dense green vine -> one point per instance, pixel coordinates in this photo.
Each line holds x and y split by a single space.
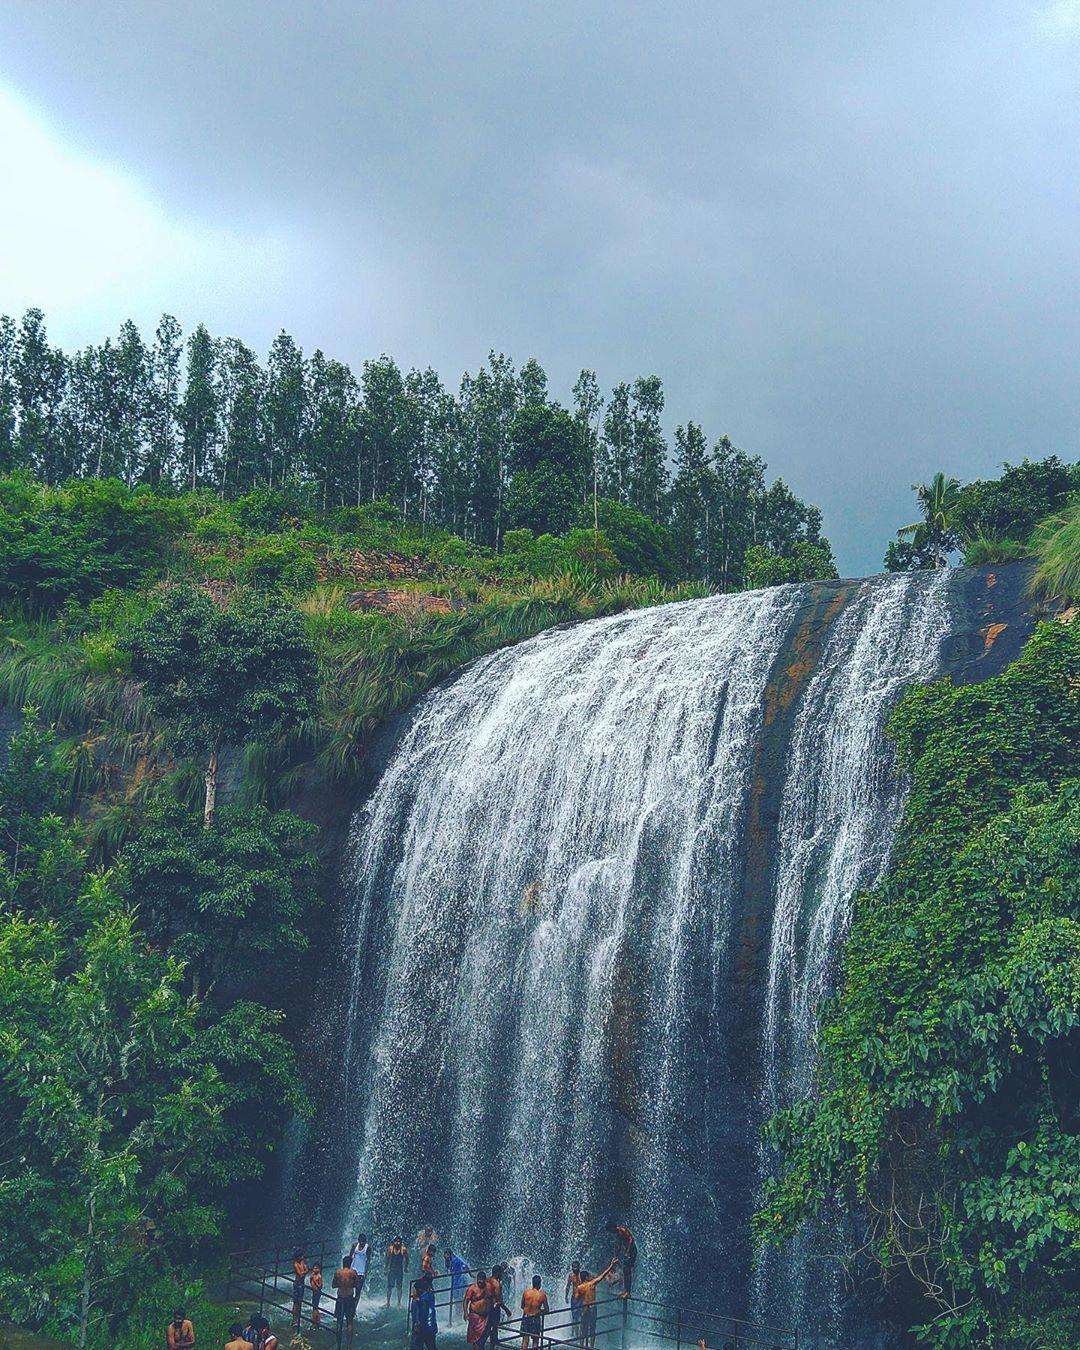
945 1114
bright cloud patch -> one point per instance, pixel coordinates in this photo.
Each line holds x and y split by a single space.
82 239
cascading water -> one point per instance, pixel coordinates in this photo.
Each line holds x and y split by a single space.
840 806
555 922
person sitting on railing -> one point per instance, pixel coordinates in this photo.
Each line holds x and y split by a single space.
237 1340
475 1306
457 1268
570 1293
344 1282
396 1256
300 1273
180 1333
316 1283
422 1315
625 1253
496 1307
586 1291
534 1304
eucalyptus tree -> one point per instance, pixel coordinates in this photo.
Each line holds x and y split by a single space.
200 408
163 413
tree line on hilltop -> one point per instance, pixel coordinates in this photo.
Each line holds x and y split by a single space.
497 455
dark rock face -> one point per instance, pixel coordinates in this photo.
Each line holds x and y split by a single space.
649 829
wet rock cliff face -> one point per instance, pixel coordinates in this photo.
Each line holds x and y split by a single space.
592 903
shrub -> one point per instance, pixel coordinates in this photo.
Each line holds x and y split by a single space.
279 564
1056 543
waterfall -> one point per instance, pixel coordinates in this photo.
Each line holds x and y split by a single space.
840 806
556 921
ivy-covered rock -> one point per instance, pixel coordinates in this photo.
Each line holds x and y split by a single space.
945 1114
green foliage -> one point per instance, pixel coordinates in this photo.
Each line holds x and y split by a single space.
74 542
1011 506
221 677
1056 544
806 562
991 519
131 1106
984 550
945 1108
224 899
641 546
281 564
127 1106
928 541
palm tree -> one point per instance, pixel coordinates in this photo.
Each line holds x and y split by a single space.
936 532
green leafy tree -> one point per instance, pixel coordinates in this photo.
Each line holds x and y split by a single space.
127 1109
1010 507
200 412
945 1110
217 678
641 547
648 473
8 395
232 895
928 541
163 412
286 410
691 500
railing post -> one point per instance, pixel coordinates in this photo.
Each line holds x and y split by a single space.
262 1289
678 1329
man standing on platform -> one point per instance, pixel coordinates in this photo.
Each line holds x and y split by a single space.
344 1282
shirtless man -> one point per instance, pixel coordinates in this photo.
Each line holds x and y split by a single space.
571 1295
497 1306
300 1273
534 1304
236 1338
180 1333
586 1292
345 1283
396 1256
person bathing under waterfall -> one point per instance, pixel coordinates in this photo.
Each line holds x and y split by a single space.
396 1256
360 1254
496 1306
586 1292
625 1254
344 1282
457 1268
534 1304
475 1306
571 1294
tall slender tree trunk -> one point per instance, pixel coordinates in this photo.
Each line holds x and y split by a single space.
84 1300
210 780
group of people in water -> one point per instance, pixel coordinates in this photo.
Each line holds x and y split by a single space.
480 1299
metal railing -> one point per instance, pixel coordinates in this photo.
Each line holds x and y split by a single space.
643 1319
266 1274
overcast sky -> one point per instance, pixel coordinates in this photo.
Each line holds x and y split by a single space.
845 234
